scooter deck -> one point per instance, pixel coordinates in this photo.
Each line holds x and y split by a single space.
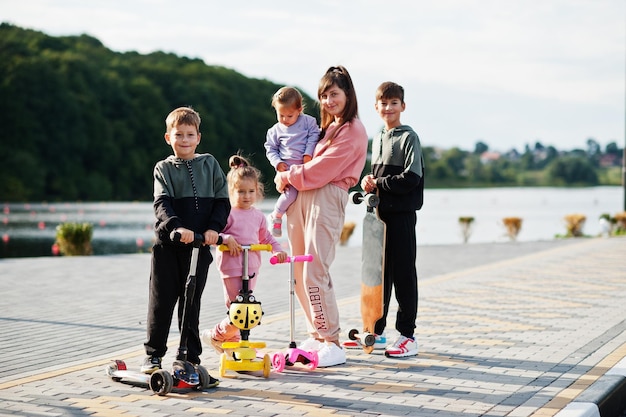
126 375
160 382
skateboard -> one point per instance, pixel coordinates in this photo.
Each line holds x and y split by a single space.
372 269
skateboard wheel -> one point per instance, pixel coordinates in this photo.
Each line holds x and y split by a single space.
372 200
279 361
369 340
352 334
356 197
161 382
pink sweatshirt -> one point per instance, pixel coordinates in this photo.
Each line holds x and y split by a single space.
339 161
247 227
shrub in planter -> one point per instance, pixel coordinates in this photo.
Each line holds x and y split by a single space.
466 227
574 224
620 221
513 225
74 239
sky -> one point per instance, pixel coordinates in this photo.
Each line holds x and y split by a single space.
503 72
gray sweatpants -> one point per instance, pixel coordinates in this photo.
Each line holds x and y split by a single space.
314 223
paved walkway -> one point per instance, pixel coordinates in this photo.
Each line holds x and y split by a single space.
506 329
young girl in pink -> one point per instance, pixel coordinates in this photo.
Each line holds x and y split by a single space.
246 225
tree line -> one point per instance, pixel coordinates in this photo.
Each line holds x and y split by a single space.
537 165
81 122
84 123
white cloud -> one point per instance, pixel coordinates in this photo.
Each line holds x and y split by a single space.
505 72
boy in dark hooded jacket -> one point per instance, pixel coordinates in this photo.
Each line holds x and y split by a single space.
398 176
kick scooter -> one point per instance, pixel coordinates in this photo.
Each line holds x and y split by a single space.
184 373
293 354
245 313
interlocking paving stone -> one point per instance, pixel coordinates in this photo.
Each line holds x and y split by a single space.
514 329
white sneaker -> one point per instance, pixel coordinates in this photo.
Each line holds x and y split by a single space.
311 344
330 355
403 346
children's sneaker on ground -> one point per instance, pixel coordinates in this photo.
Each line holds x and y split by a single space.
311 344
276 224
403 346
208 340
352 344
330 355
151 364
380 343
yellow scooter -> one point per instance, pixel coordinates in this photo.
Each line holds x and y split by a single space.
245 313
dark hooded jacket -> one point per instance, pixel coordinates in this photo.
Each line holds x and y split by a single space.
189 193
398 166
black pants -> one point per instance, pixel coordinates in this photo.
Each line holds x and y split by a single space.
400 271
170 268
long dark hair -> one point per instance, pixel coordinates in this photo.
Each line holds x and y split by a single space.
340 77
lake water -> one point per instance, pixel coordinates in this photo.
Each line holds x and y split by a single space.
29 229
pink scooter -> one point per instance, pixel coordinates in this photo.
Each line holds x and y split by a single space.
293 354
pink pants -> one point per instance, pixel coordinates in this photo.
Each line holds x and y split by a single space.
314 223
224 331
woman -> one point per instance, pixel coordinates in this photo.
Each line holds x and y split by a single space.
315 219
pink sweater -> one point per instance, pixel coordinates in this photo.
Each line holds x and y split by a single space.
339 161
247 227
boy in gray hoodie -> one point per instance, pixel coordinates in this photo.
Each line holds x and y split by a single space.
398 176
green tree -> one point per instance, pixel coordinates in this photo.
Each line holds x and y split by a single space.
90 121
480 148
572 170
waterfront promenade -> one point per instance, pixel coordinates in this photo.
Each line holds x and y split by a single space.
505 329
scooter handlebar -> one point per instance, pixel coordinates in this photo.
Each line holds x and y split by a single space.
297 258
254 246
198 238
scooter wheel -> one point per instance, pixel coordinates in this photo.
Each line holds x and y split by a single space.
267 366
223 360
279 361
314 360
161 382
206 380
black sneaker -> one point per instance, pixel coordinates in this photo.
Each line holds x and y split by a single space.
212 382
151 364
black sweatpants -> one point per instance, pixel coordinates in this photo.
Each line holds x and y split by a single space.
168 275
400 271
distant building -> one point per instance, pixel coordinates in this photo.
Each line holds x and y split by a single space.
489 156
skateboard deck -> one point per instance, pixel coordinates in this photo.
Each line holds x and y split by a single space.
372 269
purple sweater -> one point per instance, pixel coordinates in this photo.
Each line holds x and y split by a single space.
289 144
